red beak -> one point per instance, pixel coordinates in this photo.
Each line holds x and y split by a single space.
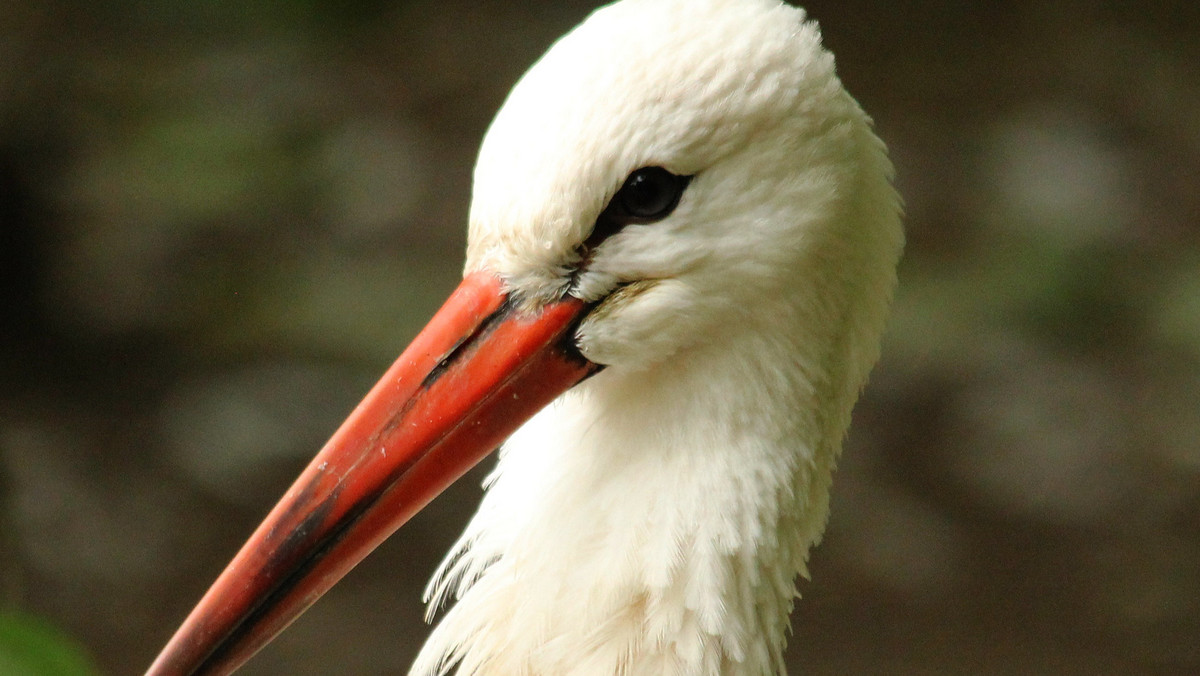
480 368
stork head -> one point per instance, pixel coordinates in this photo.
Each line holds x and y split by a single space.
730 115
672 173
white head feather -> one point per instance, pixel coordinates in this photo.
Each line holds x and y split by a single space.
653 520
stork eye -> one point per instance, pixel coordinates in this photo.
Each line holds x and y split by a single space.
649 194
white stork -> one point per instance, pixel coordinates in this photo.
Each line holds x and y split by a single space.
683 243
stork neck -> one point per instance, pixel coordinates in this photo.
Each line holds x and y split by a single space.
649 522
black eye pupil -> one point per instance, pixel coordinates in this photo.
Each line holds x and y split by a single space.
650 193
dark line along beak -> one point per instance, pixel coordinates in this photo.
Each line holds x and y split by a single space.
479 369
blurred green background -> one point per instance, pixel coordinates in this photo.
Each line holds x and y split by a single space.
219 222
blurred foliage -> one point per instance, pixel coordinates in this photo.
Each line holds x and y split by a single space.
30 646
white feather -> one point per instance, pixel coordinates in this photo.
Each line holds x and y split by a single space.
653 520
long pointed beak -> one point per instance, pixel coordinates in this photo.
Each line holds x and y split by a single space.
479 369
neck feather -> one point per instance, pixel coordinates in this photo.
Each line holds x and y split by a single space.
650 522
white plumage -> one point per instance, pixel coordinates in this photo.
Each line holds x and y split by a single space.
652 521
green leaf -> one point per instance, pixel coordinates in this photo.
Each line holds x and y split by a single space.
30 646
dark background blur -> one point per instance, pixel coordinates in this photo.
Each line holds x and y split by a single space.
219 223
